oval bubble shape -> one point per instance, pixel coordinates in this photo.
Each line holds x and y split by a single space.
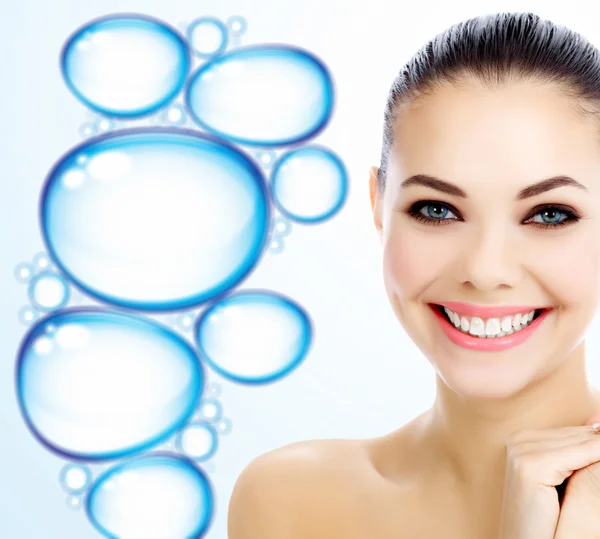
309 185
94 384
264 95
125 65
155 496
254 336
154 218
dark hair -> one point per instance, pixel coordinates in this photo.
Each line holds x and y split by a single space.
496 49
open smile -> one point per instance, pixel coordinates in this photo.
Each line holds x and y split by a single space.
489 334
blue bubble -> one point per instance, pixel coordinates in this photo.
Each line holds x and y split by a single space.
48 291
309 185
263 95
211 409
198 440
237 25
24 271
88 129
125 65
174 115
154 218
207 36
281 227
41 261
254 337
224 426
276 246
94 384
154 496
75 478
27 315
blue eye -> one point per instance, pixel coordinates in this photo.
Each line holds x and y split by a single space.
434 212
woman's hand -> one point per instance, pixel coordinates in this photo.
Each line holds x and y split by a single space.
580 510
537 461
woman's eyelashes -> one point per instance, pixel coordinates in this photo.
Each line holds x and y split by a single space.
435 212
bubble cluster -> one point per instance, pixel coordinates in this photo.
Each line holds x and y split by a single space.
168 219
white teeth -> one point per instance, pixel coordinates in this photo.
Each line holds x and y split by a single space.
516 322
476 327
492 327
464 324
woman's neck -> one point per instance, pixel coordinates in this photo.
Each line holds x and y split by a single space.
466 436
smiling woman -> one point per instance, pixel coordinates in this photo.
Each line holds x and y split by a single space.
486 205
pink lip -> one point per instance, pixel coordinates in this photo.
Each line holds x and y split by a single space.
489 312
496 344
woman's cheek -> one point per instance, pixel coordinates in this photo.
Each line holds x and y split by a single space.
569 269
411 261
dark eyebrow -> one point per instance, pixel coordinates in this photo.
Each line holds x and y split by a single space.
533 190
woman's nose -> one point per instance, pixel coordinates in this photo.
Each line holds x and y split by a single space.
491 260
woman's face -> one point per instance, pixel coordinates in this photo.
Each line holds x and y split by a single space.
485 236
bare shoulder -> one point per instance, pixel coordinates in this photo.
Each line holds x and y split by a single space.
290 492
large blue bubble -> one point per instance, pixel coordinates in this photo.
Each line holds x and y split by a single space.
254 336
264 95
155 219
125 65
95 384
155 496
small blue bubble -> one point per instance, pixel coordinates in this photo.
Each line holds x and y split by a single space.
75 478
152 497
254 337
125 65
198 440
207 36
224 426
185 321
309 185
155 219
41 261
88 129
266 158
27 315
103 125
276 246
237 25
24 271
74 502
174 115
95 384
211 409
281 227
48 291
262 95
214 389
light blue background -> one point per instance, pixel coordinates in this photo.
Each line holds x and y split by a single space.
363 376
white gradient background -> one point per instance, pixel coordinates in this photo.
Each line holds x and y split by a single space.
363 376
